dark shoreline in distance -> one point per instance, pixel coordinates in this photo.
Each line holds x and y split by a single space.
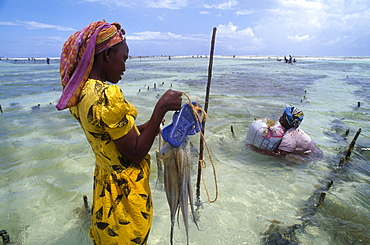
169 57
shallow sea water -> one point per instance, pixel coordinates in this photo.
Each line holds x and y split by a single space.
46 164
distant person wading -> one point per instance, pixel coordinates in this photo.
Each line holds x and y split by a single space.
294 139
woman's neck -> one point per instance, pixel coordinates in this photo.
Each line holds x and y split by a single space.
97 71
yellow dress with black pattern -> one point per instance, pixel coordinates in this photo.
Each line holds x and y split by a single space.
122 203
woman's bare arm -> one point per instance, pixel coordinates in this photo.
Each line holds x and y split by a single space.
135 147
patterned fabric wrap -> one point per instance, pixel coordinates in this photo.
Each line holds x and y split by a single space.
122 209
293 116
77 57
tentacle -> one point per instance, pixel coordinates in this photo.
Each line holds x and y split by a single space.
177 181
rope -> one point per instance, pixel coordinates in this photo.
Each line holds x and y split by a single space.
199 119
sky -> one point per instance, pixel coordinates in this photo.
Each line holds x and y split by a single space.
38 28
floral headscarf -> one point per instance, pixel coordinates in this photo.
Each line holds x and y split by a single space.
77 57
293 116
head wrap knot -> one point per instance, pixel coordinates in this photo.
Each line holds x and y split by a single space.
77 57
293 116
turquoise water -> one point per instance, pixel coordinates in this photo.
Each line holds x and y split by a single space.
46 164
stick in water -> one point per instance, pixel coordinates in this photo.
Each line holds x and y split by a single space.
352 145
201 147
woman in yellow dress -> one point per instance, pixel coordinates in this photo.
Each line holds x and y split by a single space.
122 203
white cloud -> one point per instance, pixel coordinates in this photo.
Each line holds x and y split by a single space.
231 39
36 25
304 4
244 12
231 31
8 23
204 12
154 35
164 4
318 18
297 38
231 4
228 5
167 4
336 41
47 40
111 3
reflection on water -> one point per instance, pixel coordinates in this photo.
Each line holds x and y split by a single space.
47 165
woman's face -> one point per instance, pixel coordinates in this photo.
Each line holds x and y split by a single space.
284 122
118 55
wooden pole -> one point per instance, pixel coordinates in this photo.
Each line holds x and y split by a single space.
311 209
352 145
201 146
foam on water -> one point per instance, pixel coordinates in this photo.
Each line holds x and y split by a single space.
46 164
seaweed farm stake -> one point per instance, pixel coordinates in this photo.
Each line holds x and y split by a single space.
201 147
277 234
352 145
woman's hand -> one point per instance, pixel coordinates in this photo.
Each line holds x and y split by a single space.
170 101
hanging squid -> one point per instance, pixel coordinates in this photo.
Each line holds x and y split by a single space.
176 157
